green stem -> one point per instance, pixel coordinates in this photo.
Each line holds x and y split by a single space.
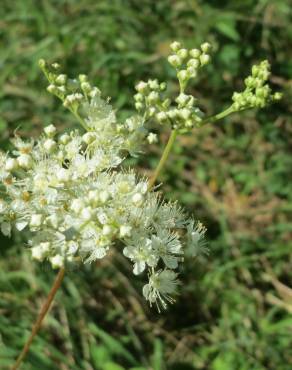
80 120
217 116
163 159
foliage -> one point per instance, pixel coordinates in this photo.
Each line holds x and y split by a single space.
234 313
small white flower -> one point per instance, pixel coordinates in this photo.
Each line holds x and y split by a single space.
36 220
86 213
57 261
77 205
37 253
141 255
125 230
104 196
137 199
152 138
63 175
196 244
141 86
107 230
161 286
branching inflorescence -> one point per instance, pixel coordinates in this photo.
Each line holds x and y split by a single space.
77 202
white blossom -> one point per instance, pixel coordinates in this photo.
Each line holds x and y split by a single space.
77 203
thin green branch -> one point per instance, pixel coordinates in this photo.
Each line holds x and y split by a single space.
217 116
163 158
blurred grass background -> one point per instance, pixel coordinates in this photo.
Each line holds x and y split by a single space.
235 308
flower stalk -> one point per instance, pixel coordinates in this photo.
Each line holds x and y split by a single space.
163 158
37 325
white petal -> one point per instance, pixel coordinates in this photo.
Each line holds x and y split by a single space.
139 267
6 228
20 225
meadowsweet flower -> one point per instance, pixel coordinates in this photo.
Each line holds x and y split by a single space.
74 199
162 285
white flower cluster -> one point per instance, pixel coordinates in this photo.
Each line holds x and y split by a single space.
69 193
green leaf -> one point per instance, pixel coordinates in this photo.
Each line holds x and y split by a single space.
227 27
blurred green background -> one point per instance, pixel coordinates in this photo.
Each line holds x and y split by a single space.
235 308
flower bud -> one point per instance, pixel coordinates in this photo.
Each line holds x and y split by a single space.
64 139
11 164
42 63
192 72
151 111
104 196
185 113
24 161
277 96
57 261
36 220
182 53
194 63
86 87
153 97
175 46
205 59
152 138
49 145
175 61
162 86
56 65
139 106
139 97
83 78
153 84
195 53
52 88
141 87
182 99
161 117
183 75
206 47
93 196
107 230
61 79
37 253
63 175
86 213
137 199
88 137
50 130
77 205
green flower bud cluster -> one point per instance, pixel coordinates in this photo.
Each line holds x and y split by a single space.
73 92
183 114
149 98
187 62
257 93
